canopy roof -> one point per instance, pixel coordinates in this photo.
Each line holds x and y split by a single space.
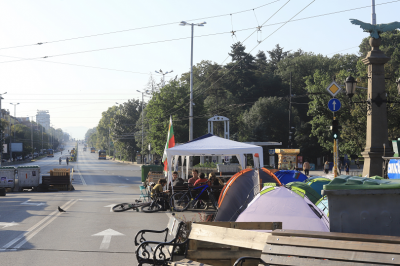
210 145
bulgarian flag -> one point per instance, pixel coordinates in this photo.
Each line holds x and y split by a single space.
170 143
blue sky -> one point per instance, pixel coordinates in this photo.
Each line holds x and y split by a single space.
76 96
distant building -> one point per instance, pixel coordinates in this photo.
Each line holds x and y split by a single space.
23 119
43 118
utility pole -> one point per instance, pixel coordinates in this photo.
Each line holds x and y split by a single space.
33 150
15 117
184 23
290 108
1 116
373 13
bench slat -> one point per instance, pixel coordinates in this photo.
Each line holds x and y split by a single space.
295 261
221 254
339 236
336 244
369 257
229 236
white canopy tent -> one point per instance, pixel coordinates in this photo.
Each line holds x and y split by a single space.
210 145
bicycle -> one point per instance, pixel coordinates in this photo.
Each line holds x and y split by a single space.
156 204
127 206
180 201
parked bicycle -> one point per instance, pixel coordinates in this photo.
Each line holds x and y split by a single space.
193 197
127 206
157 203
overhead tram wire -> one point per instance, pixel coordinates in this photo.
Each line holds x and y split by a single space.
132 45
244 57
326 14
140 28
198 86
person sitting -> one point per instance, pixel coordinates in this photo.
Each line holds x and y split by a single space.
195 174
214 180
158 189
201 181
176 180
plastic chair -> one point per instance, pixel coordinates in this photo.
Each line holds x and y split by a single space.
144 194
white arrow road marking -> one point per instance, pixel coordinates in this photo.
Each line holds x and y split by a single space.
107 234
4 225
111 206
33 203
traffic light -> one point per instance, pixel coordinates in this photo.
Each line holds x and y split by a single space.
335 129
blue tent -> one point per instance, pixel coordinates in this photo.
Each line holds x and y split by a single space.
318 183
287 176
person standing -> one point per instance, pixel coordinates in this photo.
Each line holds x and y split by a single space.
306 168
60 160
347 169
67 160
340 166
326 167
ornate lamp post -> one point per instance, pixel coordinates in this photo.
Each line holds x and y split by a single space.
377 125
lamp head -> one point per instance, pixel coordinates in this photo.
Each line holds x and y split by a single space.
351 85
183 23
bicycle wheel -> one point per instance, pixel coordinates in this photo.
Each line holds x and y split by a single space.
122 207
153 207
180 201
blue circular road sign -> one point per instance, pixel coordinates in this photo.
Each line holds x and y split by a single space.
334 105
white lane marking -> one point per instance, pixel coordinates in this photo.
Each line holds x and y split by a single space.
111 206
4 225
18 238
32 203
107 234
81 177
43 226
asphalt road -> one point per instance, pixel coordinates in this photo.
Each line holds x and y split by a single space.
33 232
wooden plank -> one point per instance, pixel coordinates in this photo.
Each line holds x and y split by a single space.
228 236
246 225
392 259
338 236
187 262
221 254
295 261
336 244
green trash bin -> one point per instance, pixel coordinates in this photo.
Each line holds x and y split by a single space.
363 205
150 168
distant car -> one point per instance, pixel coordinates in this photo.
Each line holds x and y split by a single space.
19 158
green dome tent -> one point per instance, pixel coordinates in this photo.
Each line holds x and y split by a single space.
311 194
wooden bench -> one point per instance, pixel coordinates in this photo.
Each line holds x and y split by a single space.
145 247
292 247
216 243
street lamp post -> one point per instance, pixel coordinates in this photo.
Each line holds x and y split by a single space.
142 117
184 23
377 125
162 73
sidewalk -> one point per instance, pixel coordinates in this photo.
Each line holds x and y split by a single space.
354 171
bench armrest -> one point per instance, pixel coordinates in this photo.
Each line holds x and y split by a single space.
240 261
159 258
139 238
